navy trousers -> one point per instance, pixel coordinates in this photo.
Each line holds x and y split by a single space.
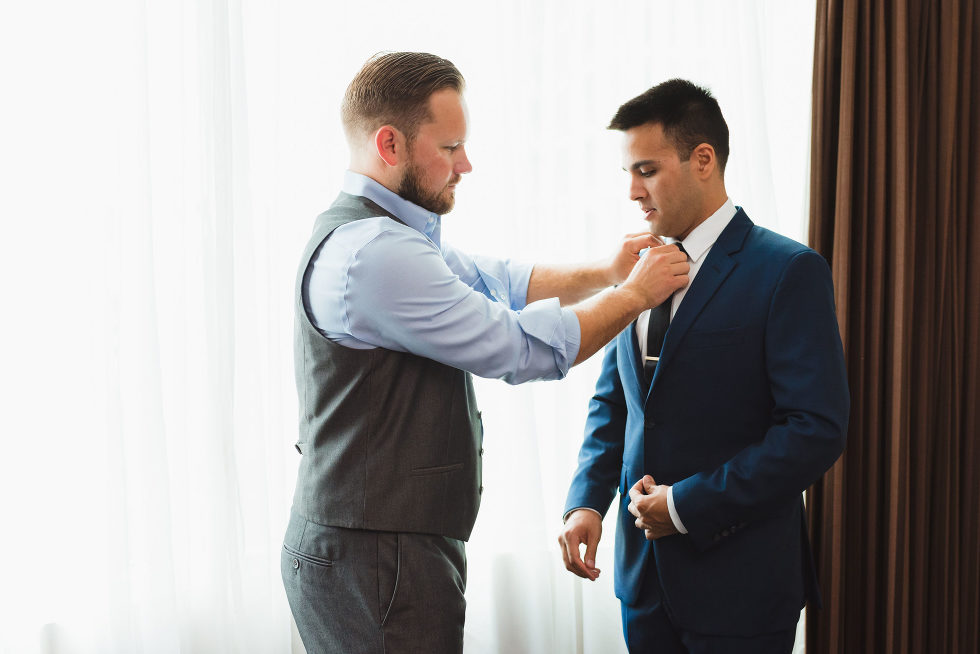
648 629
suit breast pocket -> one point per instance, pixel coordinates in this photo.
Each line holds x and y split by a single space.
714 338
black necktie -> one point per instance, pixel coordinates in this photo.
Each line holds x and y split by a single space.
656 331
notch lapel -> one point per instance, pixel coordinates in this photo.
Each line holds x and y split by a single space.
632 347
715 269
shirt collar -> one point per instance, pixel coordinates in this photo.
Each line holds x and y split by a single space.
702 237
419 219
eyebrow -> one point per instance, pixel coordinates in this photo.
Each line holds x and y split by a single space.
640 164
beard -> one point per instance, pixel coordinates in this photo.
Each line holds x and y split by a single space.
412 189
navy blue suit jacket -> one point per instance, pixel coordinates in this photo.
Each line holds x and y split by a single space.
747 408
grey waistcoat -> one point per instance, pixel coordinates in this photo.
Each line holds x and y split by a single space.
390 441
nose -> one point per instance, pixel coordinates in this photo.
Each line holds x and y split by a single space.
637 192
462 164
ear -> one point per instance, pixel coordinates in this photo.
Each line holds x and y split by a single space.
704 161
390 144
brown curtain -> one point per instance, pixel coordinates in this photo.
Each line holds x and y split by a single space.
895 179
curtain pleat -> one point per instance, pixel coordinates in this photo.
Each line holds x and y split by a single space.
894 207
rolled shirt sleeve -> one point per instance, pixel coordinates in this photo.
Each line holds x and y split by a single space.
503 280
394 288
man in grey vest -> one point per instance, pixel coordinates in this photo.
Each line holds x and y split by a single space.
390 324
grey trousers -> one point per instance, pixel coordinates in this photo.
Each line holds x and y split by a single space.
353 591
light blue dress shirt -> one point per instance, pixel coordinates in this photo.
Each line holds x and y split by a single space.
379 283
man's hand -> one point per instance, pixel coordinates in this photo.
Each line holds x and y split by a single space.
648 502
582 526
623 260
657 274
654 278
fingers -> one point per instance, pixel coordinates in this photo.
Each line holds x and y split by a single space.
634 243
678 281
679 268
565 544
676 261
668 256
643 486
660 273
641 237
636 491
672 253
573 560
640 492
590 549
570 542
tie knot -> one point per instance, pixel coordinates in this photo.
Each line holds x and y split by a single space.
680 246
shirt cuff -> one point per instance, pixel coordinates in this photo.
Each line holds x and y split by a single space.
558 328
518 277
573 336
676 519
564 518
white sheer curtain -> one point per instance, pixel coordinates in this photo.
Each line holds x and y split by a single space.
161 163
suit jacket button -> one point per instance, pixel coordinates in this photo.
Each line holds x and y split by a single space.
481 451
295 564
481 490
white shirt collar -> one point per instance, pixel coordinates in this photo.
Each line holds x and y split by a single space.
702 237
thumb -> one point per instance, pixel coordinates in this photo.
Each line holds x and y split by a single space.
649 483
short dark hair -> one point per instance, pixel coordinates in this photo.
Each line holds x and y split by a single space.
688 113
393 88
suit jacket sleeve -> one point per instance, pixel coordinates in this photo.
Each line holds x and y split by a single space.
600 459
808 384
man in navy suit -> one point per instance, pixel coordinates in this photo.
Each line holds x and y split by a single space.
714 411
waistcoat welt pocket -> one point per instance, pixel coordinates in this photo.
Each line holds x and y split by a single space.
436 470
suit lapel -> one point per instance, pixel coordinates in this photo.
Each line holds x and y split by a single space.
715 269
632 346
